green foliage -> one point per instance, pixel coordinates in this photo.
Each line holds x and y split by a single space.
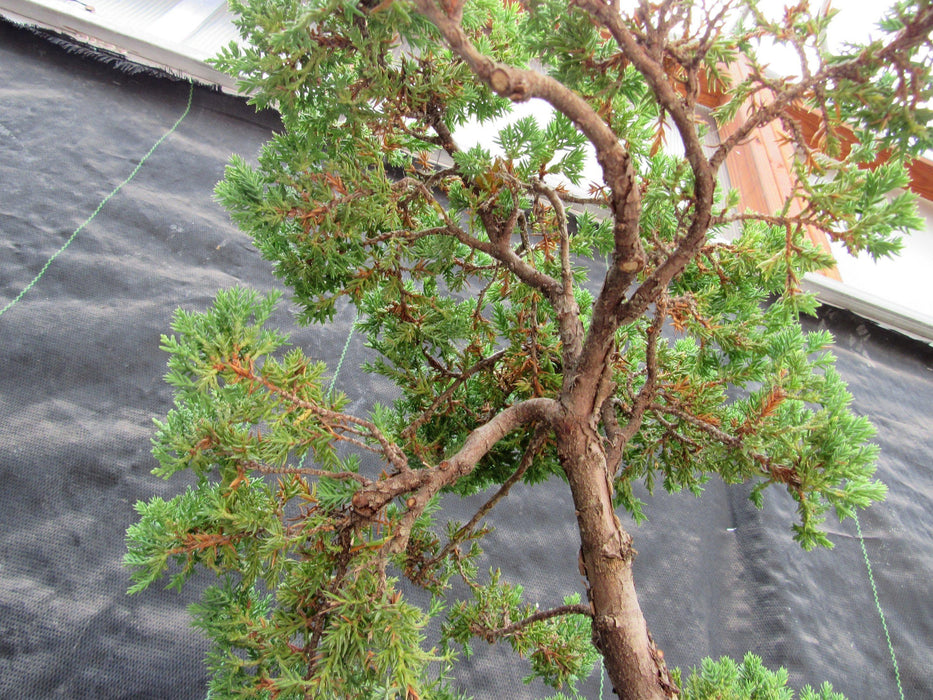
228 423
516 305
533 150
558 648
749 680
908 125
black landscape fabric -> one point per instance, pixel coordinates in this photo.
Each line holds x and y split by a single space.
81 381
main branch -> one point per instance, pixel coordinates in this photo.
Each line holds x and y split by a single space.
424 484
618 171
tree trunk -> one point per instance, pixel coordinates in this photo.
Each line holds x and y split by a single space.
635 666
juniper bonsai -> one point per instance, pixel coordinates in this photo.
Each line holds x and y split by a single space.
632 326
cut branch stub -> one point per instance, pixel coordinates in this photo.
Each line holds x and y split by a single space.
510 86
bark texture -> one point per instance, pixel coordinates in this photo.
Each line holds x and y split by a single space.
620 632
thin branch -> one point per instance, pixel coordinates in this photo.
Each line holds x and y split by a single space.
499 250
777 472
576 199
305 471
504 254
437 176
647 392
523 231
566 271
332 420
406 235
433 140
671 428
799 220
705 426
492 635
537 441
442 398
458 562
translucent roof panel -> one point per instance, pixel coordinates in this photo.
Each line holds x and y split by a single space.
176 36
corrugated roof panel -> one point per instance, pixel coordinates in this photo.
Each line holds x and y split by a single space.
216 31
177 36
183 20
141 12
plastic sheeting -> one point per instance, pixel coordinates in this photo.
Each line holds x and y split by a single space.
81 380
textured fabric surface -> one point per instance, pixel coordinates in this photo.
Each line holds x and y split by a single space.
82 381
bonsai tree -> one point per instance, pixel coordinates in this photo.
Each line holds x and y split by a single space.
542 319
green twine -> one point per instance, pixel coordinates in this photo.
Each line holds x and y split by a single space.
101 205
333 381
346 345
874 590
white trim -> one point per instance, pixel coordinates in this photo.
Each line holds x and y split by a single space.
885 313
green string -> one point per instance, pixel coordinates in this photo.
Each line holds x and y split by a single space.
874 590
333 381
346 345
101 205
